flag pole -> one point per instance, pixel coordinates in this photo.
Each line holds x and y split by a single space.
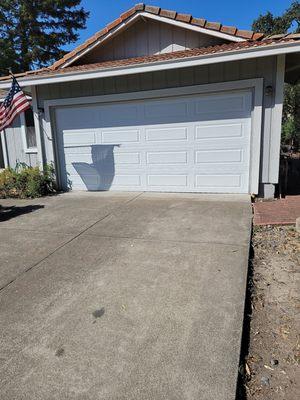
10 72
37 127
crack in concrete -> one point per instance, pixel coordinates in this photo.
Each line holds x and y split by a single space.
67 242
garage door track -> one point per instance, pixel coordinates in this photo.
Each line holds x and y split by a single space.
122 296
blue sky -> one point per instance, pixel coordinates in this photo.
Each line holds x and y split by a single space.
240 13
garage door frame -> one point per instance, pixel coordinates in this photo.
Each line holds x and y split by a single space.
255 85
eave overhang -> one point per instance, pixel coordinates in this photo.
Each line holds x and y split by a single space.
63 75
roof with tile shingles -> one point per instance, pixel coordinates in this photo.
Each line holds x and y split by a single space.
170 14
177 55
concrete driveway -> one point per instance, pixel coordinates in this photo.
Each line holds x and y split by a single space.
122 296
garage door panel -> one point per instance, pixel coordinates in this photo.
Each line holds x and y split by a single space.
167 180
79 138
78 157
190 144
120 159
74 150
127 180
216 104
120 136
166 157
221 180
81 117
158 111
171 133
113 115
219 150
90 179
220 168
127 158
219 156
105 182
221 130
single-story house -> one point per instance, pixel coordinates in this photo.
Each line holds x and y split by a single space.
159 101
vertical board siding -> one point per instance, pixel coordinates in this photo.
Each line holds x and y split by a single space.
201 75
186 77
231 71
14 144
15 148
2 164
257 68
173 78
269 66
216 73
147 38
33 160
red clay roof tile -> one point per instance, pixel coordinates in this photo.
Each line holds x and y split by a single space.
216 26
168 14
278 36
184 18
141 7
230 30
152 9
245 34
79 48
257 36
217 49
113 24
72 53
128 14
90 40
101 33
198 21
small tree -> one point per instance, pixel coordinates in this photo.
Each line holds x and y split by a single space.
32 32
291 116
271 25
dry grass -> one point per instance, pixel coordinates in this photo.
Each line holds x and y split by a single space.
273 363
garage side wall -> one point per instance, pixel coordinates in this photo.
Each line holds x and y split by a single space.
15 149
225 72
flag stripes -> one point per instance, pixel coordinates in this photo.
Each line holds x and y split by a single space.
14 103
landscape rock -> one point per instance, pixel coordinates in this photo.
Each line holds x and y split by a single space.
265 381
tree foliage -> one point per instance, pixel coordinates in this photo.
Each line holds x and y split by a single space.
291 115
269 24
32 32
272 25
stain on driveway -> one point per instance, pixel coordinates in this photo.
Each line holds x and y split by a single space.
163 276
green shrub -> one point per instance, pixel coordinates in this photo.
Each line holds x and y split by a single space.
24 181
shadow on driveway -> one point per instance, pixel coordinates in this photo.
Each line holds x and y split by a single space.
9 212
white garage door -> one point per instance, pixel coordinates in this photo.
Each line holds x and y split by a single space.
197 143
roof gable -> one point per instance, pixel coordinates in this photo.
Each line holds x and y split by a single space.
141 11
147 38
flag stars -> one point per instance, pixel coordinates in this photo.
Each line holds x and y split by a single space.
14 103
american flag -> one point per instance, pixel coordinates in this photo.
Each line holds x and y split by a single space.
14 103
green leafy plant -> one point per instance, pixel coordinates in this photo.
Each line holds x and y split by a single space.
291 116
288 22
24 181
